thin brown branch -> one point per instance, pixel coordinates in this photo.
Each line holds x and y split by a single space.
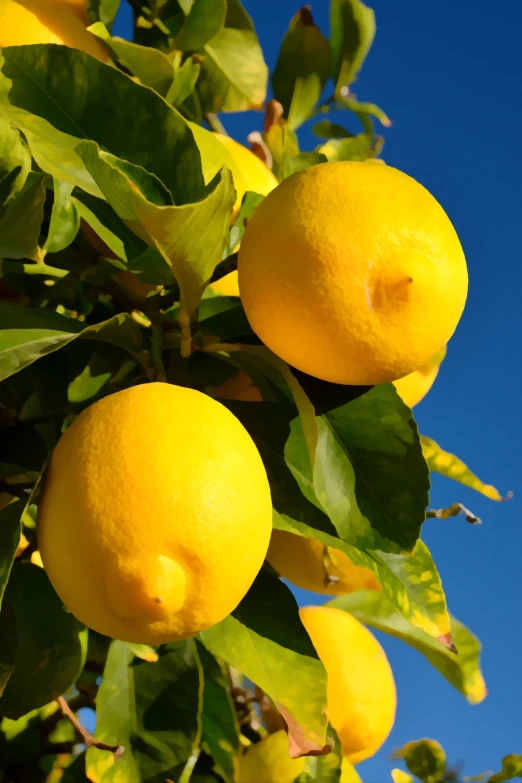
88 740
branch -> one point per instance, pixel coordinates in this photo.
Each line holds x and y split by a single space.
88 740
453 511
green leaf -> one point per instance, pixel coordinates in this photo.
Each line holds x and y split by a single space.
76 94
191 238
283 146
233 74
355 148
328 768
203 21
149 65
302 69
326 129
266 641
420 599
219 726
462 670
184 81
27 333
101 217
368 473
303 161
102 10
511 768
353 30
65 220
15 162
10 531
8 645
52 643
363 111
449 465
152 710
425 759
21 222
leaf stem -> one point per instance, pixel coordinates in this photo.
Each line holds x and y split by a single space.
215 123
189 766
15 267
157 359
88 740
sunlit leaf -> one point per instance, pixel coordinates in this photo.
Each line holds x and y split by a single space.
352 32
266 641
449 465
302 68
422 602
76 94
52 644
184 81
462 670
15 162
355 148
511 768
233 73
65 220
203 21
425 759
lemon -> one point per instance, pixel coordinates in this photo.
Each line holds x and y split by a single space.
48 21
361 688
155 516
250 173
309 564
415 386
352 273
239 387
268 761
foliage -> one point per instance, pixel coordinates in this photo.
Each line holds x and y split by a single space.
122 151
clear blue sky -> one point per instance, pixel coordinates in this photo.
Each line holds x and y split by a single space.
448 75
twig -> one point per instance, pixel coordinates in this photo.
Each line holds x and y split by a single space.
88 740
454 511
218 347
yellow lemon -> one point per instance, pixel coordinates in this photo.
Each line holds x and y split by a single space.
155 516
239 387
361 688
415 386
268 761
352 273
308 563
250 173
48 21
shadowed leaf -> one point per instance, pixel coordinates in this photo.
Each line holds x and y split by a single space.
8 645
65 220
511 768
10 531
21 222
52 644
425 759
353 30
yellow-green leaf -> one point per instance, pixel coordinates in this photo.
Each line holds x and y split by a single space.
449 465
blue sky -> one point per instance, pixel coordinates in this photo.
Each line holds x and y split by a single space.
448 75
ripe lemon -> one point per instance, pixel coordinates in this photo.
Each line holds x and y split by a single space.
239 387
156 514
250 173
361 688
268 761
415 386
48 21
352 273
309 564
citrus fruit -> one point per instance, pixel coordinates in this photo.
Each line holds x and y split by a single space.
268 761
48 21
415 386
250 173
361 688
352 273
239 387
308 563
155 516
